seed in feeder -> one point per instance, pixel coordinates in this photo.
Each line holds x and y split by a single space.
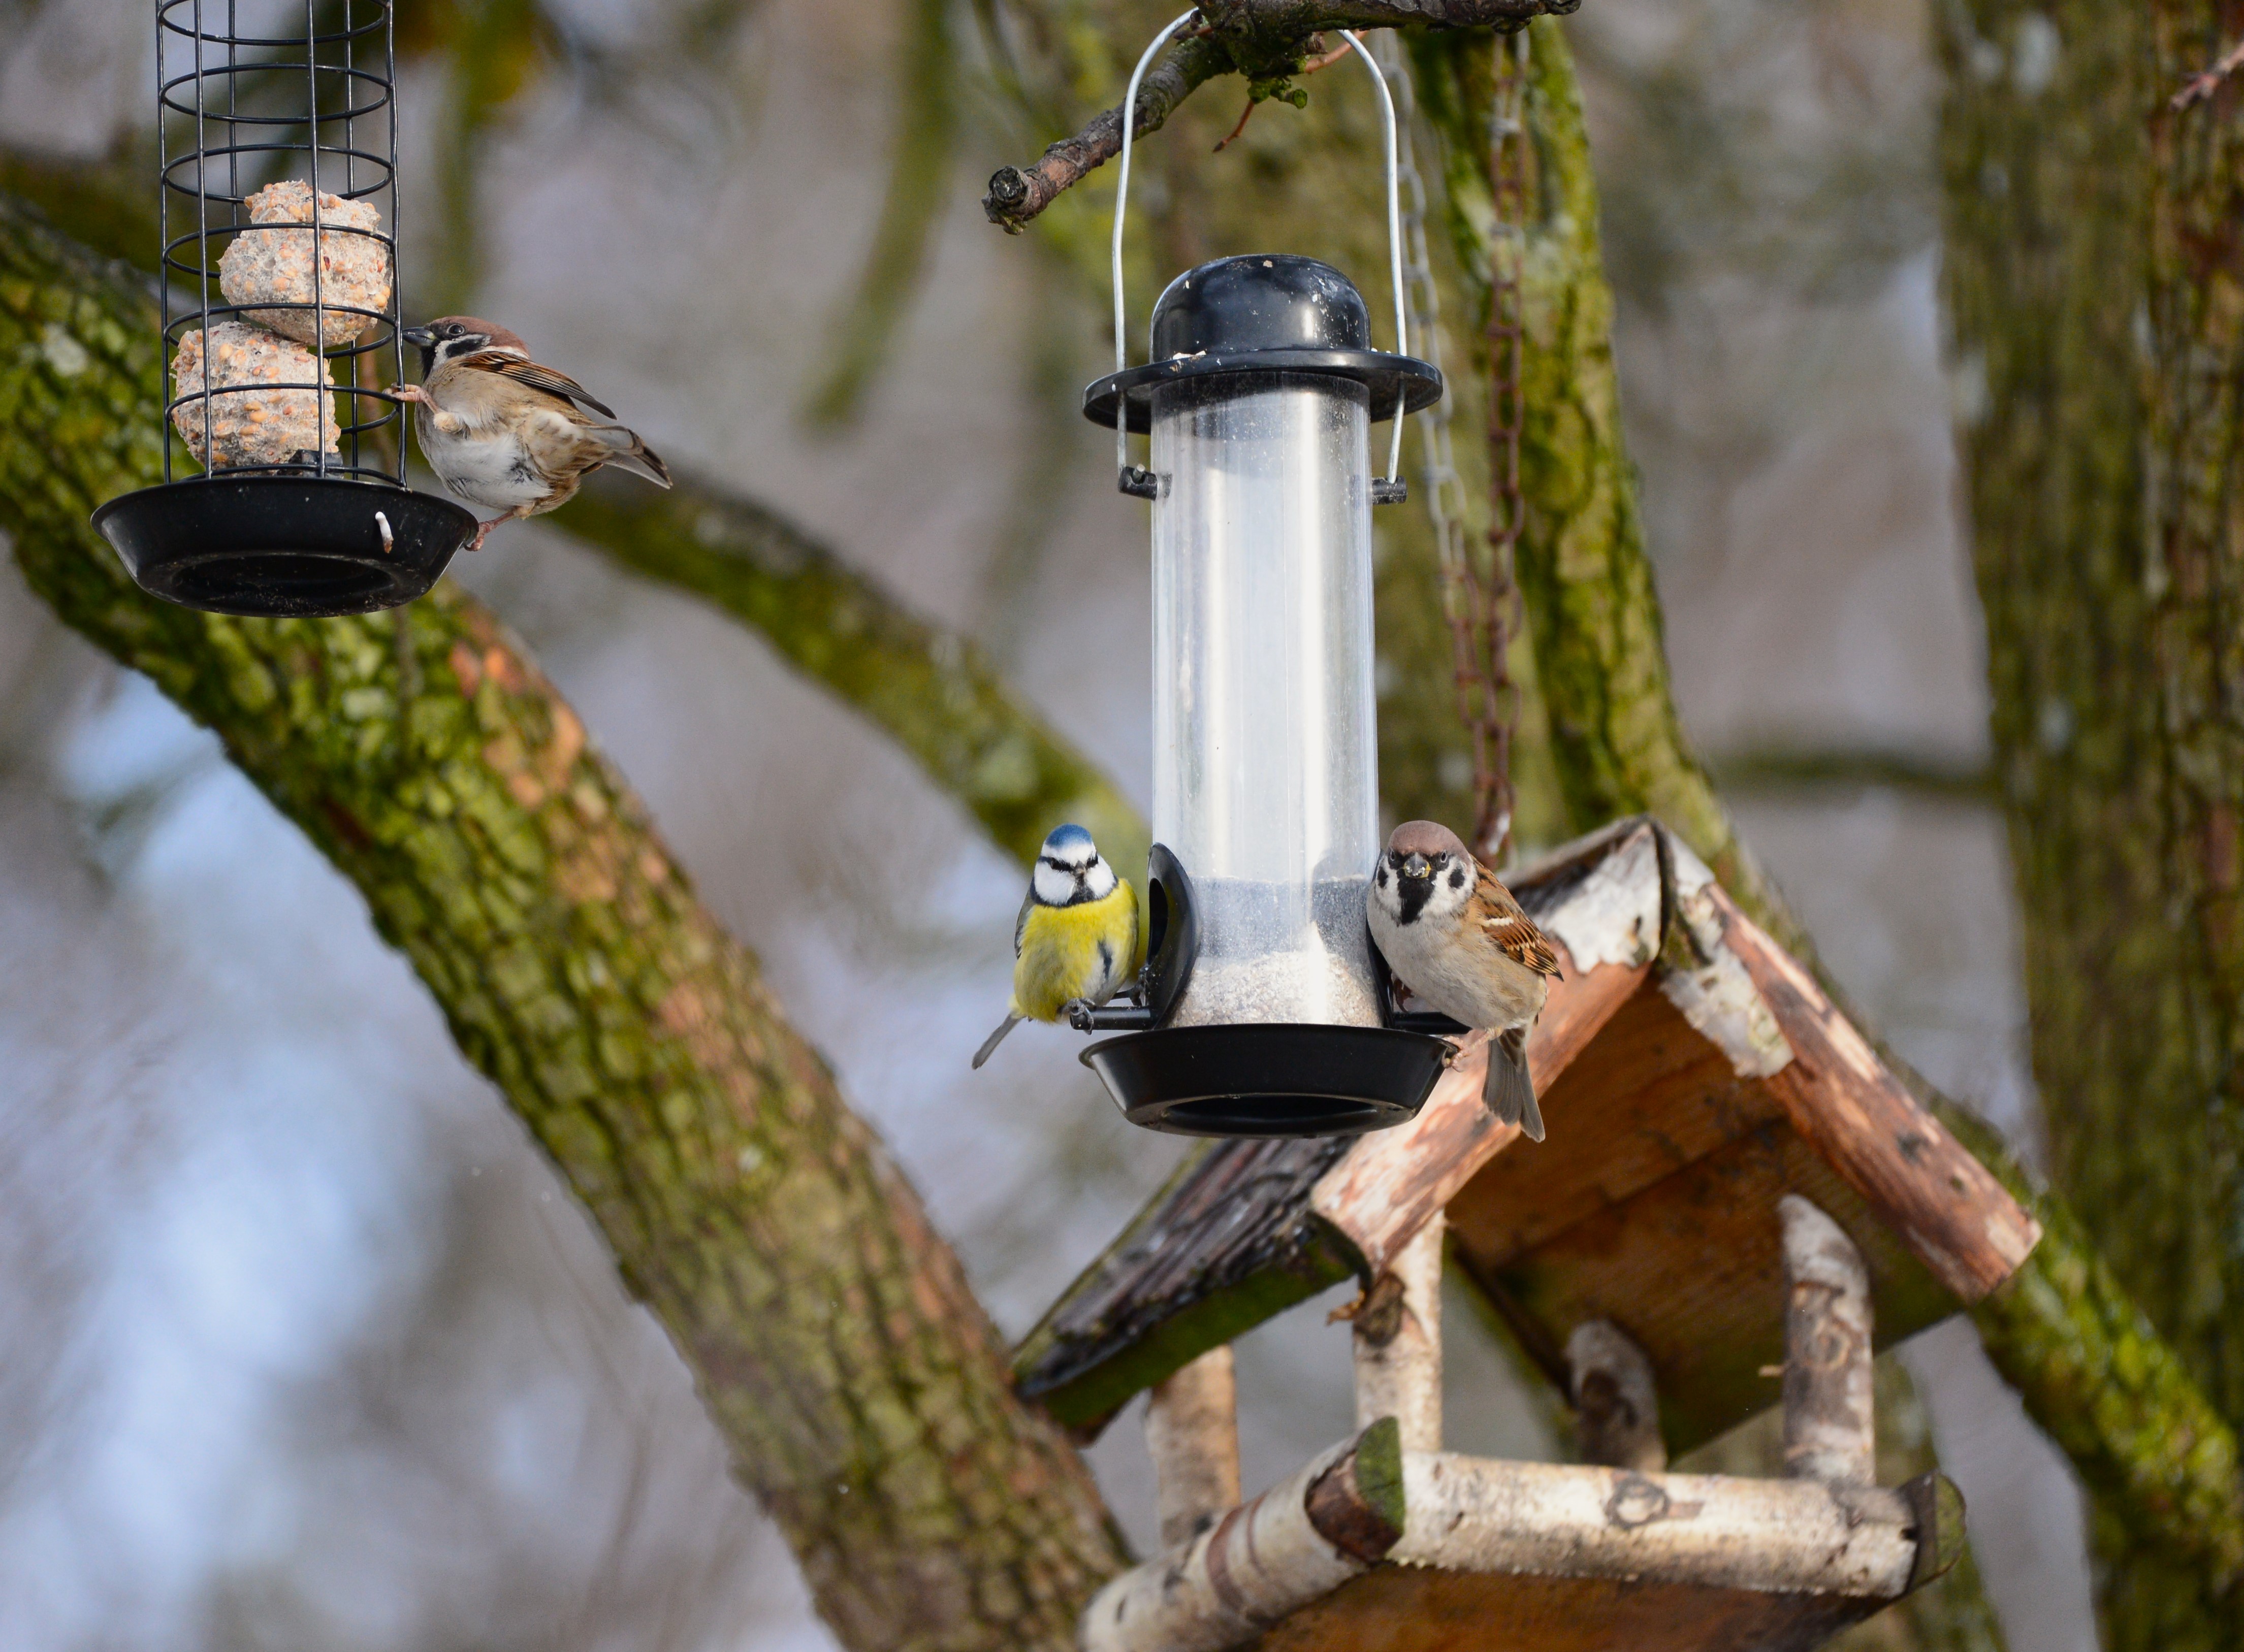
1275 952
251 423
273 266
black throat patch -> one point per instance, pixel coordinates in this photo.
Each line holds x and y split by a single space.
1412 894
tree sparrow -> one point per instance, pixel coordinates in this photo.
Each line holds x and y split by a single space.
1460 941
502 431
1076 939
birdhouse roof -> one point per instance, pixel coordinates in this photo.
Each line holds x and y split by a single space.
1691 1072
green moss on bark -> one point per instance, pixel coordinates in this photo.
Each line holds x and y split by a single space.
2097 298
2093 1372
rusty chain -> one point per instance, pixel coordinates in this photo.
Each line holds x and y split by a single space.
1481 599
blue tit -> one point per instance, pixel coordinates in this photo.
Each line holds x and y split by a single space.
1077 938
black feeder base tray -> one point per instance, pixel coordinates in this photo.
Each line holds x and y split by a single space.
1269 1080
284 547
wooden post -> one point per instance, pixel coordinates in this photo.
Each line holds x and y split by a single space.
1398 1343
1192 1429
1616 1406
1830 1432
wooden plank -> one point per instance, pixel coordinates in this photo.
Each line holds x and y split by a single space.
1720 1531
1228 1242
1777 1560
1387 1188
1691 1268
1648 1098
1883 1142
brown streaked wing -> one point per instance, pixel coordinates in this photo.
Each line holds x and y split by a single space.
522 371
1512 930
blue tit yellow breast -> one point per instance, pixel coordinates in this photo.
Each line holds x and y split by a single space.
1089 950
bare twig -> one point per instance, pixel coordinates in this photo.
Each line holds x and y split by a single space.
1244 115
1015 196
1251 36
2200 88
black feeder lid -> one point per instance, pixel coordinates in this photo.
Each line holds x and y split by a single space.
1263 312
1269 1080
283 545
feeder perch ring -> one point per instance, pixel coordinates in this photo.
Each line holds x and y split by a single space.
1269 1079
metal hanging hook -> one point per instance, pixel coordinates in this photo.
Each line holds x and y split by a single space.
1130 478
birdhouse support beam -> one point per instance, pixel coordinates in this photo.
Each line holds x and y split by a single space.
1347 1551
1397 1329
1191 1429
1830 1431
1616 1405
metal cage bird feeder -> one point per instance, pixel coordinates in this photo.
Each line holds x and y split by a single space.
1267 1011
277 187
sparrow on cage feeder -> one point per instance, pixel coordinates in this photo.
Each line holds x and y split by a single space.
503 432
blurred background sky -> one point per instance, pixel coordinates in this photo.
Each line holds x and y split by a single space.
303 1347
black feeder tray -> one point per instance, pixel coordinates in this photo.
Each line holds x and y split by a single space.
1259 1080
284 546
1267 1080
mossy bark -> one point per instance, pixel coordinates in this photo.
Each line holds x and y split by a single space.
2064 1332
831 1331
1600 652
2095 279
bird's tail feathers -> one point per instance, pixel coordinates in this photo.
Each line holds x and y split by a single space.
1509 1092
990 1043
629 453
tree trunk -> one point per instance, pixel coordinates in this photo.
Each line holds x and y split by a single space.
2093 1371
2095 283
831 1332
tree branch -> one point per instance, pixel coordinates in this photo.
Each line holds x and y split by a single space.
919 171
831 1331
932 690
1262 39
1016 195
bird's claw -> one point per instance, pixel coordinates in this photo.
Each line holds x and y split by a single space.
1078 1011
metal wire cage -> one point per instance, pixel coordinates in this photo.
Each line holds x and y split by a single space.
284 445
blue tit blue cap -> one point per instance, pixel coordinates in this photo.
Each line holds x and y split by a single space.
1069 843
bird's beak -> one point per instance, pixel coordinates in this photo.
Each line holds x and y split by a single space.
1416 867
419 337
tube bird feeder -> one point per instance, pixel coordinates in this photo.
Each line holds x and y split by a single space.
284 454
1266 1011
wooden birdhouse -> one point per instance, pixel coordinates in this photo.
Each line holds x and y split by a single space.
1735 1189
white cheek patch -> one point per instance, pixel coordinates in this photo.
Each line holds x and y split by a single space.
1053 887
1099 881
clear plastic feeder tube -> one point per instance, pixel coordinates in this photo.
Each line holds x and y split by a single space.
1266 777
